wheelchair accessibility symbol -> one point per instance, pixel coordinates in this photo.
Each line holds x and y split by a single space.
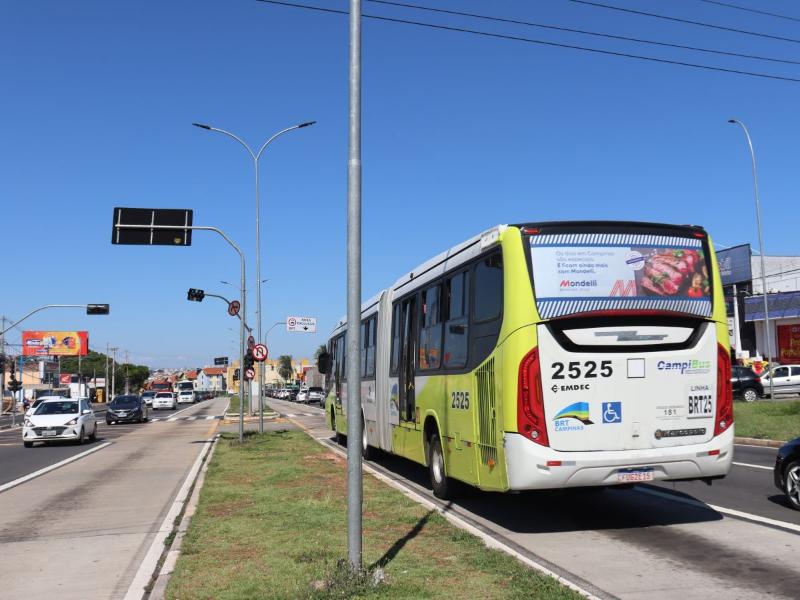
612 412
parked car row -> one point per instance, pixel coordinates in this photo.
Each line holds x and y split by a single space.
303 394
749 387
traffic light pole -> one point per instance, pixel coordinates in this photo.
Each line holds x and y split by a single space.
242 290
36 310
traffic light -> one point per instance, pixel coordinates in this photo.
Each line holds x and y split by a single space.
14 385
236 374
248 360
195 295
97 309
2 363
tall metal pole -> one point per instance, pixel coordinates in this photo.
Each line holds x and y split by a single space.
354 475
113 371
256 156
107 380
737 334
767 335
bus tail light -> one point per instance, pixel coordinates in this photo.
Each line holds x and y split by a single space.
530 400
724 417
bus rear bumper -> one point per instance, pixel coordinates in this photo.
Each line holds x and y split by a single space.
528 469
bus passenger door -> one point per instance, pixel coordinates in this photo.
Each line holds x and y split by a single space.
408 353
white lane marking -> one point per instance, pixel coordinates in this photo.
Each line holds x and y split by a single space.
172 419
137 590
738 464
721 509
156 419
209 417
190 418
759 447
53 467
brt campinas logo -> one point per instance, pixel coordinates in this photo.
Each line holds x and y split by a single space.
579 411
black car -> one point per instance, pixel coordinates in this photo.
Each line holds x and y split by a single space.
127 409
787 471
746 384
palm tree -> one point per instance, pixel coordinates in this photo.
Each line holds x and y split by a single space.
285 369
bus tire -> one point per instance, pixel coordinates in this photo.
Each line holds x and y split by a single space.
367 451
443 487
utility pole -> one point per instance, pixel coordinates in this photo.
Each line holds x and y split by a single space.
113 370
3 369
105 383
127 380
354 474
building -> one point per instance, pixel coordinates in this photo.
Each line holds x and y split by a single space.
742 286
212 379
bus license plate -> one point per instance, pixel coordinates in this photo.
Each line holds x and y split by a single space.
49 433
634 475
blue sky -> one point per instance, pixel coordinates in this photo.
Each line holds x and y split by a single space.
460 132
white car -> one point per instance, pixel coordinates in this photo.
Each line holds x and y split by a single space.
148 397
185 397
316 394
302 395
164 400
785 379
59 418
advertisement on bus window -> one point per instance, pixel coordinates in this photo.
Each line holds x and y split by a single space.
595 272
55 343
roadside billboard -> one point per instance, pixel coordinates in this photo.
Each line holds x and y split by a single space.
55 343
734 264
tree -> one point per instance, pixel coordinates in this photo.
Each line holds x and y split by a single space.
285 369
321 350
95 362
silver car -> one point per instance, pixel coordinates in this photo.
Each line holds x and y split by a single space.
316 394
785 379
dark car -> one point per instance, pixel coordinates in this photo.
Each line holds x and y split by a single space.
127 409
746 384
787 471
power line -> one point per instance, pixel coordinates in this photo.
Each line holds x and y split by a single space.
686 21
584 32
751 10
538 42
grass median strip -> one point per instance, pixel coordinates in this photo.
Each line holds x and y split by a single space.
767 420
271 523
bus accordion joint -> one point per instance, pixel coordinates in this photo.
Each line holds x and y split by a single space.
724 416
530 400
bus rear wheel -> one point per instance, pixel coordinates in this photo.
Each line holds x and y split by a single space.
443 487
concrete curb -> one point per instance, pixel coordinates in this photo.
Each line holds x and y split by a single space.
159 589
758 442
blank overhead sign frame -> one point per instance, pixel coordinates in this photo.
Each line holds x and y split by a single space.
152 226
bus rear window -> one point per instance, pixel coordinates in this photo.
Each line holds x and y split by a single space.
596 272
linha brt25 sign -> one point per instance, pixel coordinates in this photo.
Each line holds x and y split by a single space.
55 343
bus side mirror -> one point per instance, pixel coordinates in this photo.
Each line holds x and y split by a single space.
324 363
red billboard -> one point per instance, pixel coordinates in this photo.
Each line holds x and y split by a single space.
55 343
788 344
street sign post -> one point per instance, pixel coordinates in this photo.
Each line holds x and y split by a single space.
301 324
221 361
233 308
249 374
260 353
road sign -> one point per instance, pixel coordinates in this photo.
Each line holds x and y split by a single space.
176 220
221 361
251 342
301 324
233 308
260 352
250 374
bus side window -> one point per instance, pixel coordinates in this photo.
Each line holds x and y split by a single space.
456 326
430 331
395 339
487 306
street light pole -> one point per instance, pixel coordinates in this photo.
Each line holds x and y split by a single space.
256 156
113 370
354 474
767 335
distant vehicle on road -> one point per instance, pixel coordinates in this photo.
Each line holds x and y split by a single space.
127 409
316 394
186 397
164 400
59 418
302 395
34 405
785 379
148 397
746 384
787 471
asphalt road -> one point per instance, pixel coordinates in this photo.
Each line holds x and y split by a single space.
83 530
654 541
17 461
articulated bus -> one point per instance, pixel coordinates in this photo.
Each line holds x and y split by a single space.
549 355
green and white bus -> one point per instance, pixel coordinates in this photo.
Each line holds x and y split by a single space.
549 355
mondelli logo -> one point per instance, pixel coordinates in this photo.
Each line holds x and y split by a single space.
566 283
